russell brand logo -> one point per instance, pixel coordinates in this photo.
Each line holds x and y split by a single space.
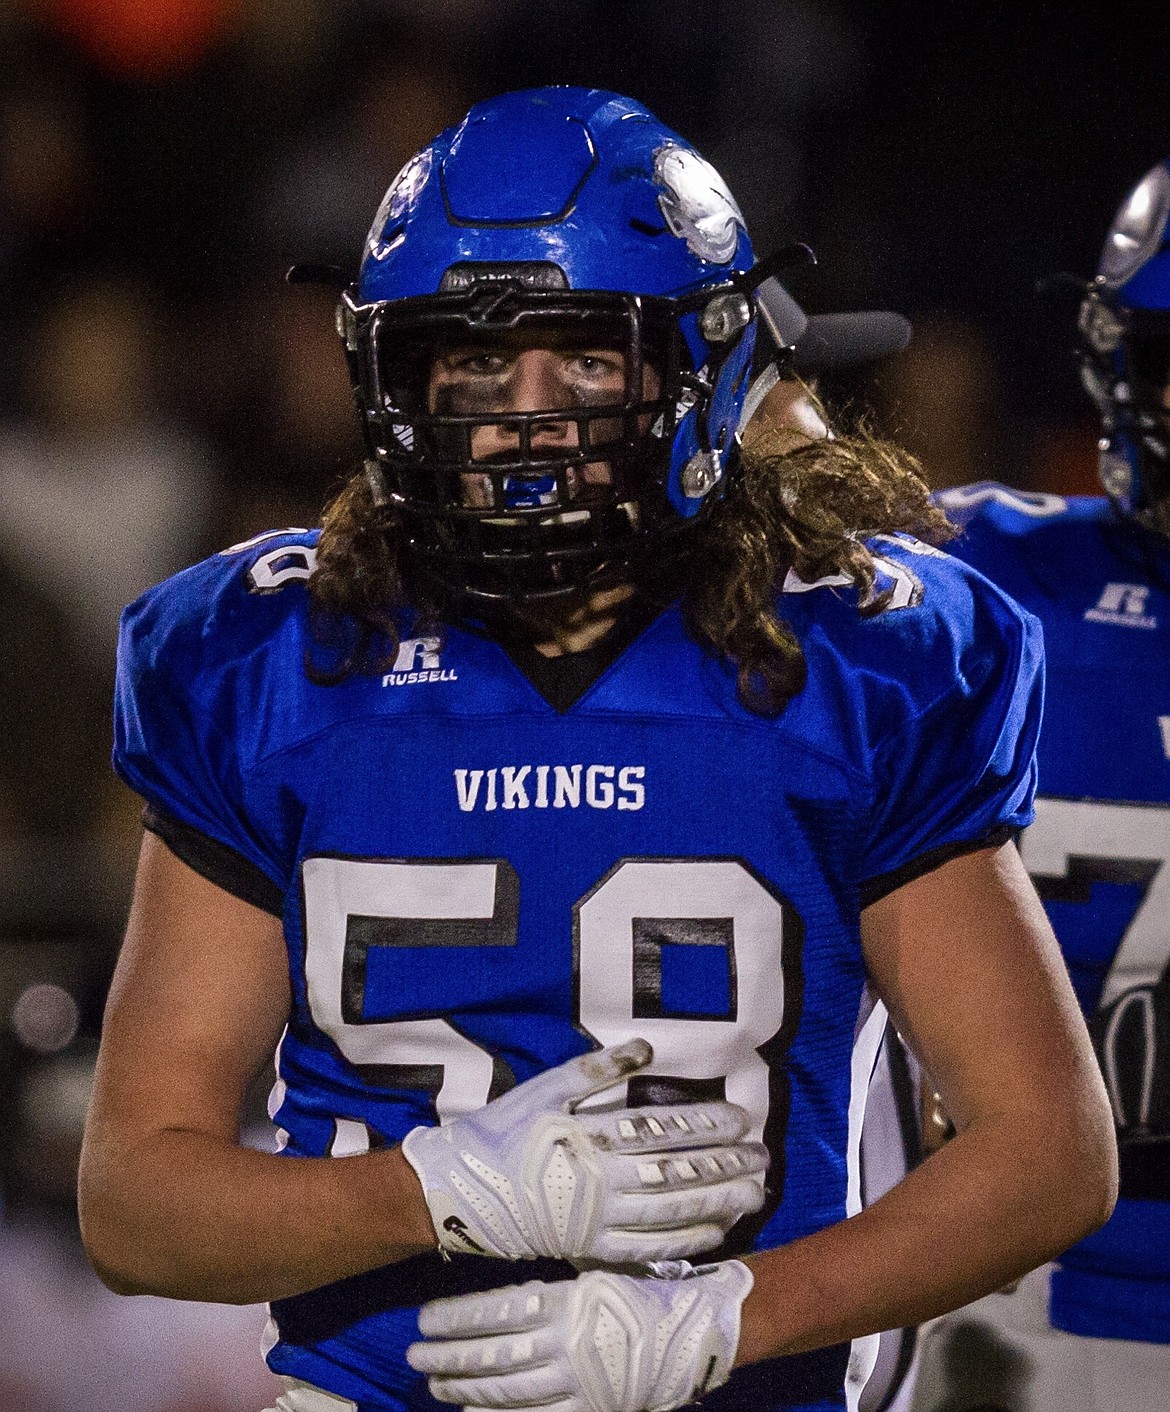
1123 604
551 787
417 661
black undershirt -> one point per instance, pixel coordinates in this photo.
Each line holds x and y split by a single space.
562 681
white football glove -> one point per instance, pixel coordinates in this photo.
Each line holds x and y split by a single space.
600 1343
526 1176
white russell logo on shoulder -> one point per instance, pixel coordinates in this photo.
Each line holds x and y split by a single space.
1123 604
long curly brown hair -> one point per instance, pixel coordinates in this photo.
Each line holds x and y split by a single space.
809 508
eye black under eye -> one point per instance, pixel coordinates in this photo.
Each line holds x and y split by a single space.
596 365
481 365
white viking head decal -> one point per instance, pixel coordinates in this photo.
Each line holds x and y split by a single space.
696 203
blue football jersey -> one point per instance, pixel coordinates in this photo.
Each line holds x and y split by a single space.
476 886
1100 844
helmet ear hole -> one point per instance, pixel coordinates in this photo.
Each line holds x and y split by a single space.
1116 473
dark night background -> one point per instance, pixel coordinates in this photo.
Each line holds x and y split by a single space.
164 394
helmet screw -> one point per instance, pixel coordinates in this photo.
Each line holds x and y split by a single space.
724 316
701 474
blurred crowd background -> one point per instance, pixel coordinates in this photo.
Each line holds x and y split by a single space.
163 394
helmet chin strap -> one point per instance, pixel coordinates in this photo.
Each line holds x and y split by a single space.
652 579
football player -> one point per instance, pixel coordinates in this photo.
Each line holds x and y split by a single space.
560 813
1093 1331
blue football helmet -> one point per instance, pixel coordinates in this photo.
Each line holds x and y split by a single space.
559 217
1125 331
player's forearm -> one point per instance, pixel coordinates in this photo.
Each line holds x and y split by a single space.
190 1216
973 1217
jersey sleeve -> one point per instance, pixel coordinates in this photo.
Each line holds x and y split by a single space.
216 861
959 773
182 735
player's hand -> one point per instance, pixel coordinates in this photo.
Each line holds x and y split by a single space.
526 1175
600 1343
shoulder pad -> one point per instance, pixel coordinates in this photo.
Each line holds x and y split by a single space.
275 558
222 607
1014 511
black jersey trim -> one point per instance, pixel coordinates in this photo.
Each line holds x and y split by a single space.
874 889
1145 1167
564 680
215 861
